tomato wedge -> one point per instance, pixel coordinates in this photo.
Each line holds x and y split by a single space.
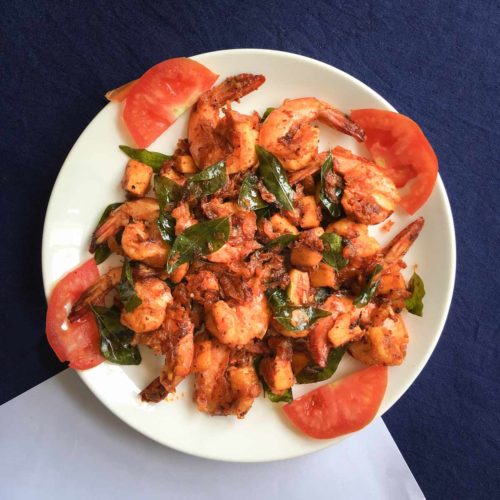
341 407
161 95
401 149
76 342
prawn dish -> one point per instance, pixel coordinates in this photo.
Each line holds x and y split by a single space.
245 257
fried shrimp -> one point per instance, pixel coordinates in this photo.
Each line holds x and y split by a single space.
144 209
150 314
369 196
212 138
288 132
142 241
236 325
95 293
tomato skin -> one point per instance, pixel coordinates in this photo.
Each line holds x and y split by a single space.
120 93
401 149
161 95
79 342
342 407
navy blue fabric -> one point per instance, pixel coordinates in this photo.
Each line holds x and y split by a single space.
435 61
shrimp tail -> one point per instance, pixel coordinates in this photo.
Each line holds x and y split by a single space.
234 88
402 242
334 118
95 293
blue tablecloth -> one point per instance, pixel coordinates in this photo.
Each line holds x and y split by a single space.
435 61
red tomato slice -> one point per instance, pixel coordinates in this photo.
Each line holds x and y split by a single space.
120 93
341 407
161 95
401 149
76 342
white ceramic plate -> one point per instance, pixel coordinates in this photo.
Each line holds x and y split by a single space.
89 180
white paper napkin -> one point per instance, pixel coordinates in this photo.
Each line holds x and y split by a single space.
58 441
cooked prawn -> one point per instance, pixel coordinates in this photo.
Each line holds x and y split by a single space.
239 324
150 314
178 346
95 293
142 241
288 132
145 209
213 138
183 217
369 196
241 241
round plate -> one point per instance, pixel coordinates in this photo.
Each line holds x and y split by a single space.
90 179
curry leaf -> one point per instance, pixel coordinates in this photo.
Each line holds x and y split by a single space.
414 303
331 201
116 339
267 112
312 374
126 289
200 239
167 191
151 158
322 294
369 290
166 226
274 177
281 241
102 251
293 318
249 197
333 255
208 181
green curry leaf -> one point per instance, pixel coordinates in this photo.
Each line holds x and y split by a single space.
331 201
208 181
102 251
116 339
281 241
267 112
293 318
333 254
249 197
126 290
200 239
151 158
311 374
369 290
274 177
414 303
167 191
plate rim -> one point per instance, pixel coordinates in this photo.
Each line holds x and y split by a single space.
450 285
